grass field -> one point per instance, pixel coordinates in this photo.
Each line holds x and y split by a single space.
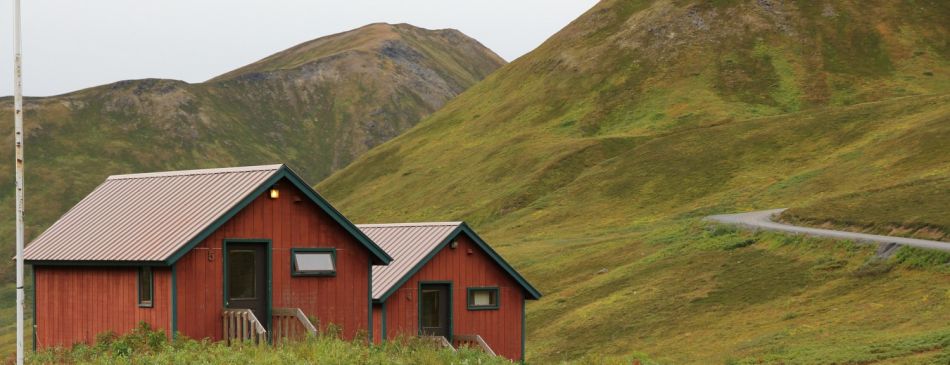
688 292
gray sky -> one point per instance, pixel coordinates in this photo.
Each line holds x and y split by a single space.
70 45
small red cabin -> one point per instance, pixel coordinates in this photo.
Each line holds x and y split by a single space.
253 253
220 254
446 282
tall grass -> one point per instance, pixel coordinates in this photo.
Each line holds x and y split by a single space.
147 346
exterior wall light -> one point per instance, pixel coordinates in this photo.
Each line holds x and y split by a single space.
274 193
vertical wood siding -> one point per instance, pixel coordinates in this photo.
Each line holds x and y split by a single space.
377 323
501 328
75 304
292 221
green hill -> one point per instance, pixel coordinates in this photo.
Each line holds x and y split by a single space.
315 106
590 161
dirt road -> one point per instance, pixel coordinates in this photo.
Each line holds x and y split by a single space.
763 220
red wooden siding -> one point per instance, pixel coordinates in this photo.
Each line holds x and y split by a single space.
75 304
291 221
377 323
501 328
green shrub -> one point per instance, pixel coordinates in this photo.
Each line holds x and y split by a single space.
740 244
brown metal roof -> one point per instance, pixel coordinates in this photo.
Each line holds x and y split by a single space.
408 244
146 217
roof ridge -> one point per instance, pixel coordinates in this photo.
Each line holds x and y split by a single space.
224 170
409 224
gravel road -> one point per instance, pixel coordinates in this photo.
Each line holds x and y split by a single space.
763 220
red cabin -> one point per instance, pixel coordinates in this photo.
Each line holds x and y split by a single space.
253 253
446 283
240 253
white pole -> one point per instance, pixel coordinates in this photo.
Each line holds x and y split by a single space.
18 137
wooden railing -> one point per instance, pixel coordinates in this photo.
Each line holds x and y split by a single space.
473 341
241 325
290 324
439 341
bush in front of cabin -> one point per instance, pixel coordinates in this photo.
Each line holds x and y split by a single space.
143 339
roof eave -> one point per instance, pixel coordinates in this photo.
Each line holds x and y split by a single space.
110 263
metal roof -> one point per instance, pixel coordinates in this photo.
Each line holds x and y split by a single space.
408 244
412 245
145 217
158 217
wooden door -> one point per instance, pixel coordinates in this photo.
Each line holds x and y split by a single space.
435 311
246 279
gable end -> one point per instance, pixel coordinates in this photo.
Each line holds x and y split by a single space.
532 293
379 256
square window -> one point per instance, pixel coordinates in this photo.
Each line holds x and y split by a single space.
483 298
145 286
313 262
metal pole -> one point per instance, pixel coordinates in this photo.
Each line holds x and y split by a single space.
18 137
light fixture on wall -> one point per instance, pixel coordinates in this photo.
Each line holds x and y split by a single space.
455 243
274 193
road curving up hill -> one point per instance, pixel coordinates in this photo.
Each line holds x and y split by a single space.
762 219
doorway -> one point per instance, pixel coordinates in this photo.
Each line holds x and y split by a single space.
435 309
246 278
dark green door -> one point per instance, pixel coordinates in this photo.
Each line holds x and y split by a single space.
247 279
435 310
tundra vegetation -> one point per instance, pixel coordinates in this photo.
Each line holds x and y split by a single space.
147 346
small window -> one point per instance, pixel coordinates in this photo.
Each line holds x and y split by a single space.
313 262
242 280
145 286
482 298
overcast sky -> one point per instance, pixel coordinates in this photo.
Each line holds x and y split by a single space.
70 45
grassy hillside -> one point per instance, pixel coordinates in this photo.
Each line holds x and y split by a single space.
315 106
922 211
590 161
